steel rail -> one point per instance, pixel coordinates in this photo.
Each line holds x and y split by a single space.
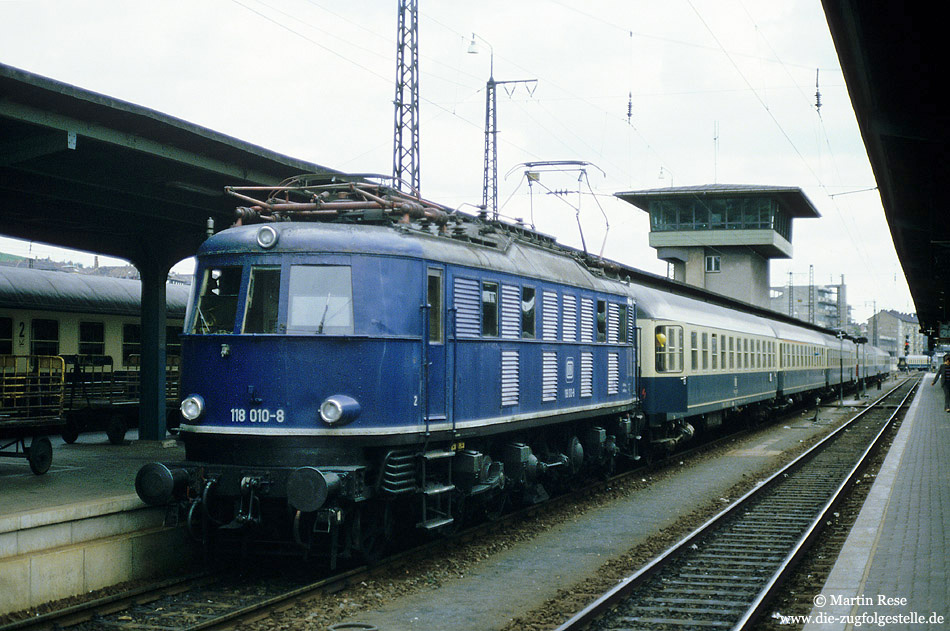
626 587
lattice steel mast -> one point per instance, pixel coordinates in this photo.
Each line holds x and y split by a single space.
406 137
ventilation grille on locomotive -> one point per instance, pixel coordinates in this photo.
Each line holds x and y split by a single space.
549 376
510 382
587 374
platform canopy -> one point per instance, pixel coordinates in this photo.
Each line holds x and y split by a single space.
894 65
86 171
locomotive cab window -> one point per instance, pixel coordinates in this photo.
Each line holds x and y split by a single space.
320 300
217 300
263 291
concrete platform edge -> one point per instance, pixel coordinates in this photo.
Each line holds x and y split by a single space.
848 577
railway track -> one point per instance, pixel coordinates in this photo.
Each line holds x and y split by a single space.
724 573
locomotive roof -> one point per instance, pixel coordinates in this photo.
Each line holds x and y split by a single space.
497 251
46 290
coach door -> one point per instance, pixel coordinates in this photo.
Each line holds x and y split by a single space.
434 370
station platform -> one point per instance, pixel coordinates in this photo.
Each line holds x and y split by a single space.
80 526
894 569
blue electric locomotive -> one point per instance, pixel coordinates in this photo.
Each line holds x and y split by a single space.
355 370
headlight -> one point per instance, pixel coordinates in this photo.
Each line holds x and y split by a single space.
267 237
339 409
192 407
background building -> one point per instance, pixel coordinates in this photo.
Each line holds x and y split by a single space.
897 333
824 305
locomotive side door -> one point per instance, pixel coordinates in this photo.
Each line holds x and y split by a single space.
434 372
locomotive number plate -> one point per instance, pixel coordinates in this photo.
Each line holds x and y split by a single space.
256 415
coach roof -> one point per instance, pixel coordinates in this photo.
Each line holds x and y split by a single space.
34 289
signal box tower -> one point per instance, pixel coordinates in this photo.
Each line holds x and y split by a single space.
723 237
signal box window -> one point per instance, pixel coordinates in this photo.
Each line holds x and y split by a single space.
92 338
490 309
321 299
44 337
217 300
263 292
669 349
6 336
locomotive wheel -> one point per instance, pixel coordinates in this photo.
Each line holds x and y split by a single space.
115 430
372 529
70 431
40 456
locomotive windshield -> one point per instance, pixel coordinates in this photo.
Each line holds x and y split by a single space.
217 300
320 300
263 295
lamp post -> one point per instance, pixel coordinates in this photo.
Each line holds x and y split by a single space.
840 336
863 372
490 176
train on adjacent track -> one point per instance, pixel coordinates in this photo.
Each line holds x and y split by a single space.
355 360
69 357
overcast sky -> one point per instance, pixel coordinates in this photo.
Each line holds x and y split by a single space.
718 92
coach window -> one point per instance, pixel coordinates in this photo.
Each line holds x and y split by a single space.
669 348
715 352
434 300
263 290
705 351
320 300
6 336
490 309
217 300
528 318
694 350
131 344
92 338
44 337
